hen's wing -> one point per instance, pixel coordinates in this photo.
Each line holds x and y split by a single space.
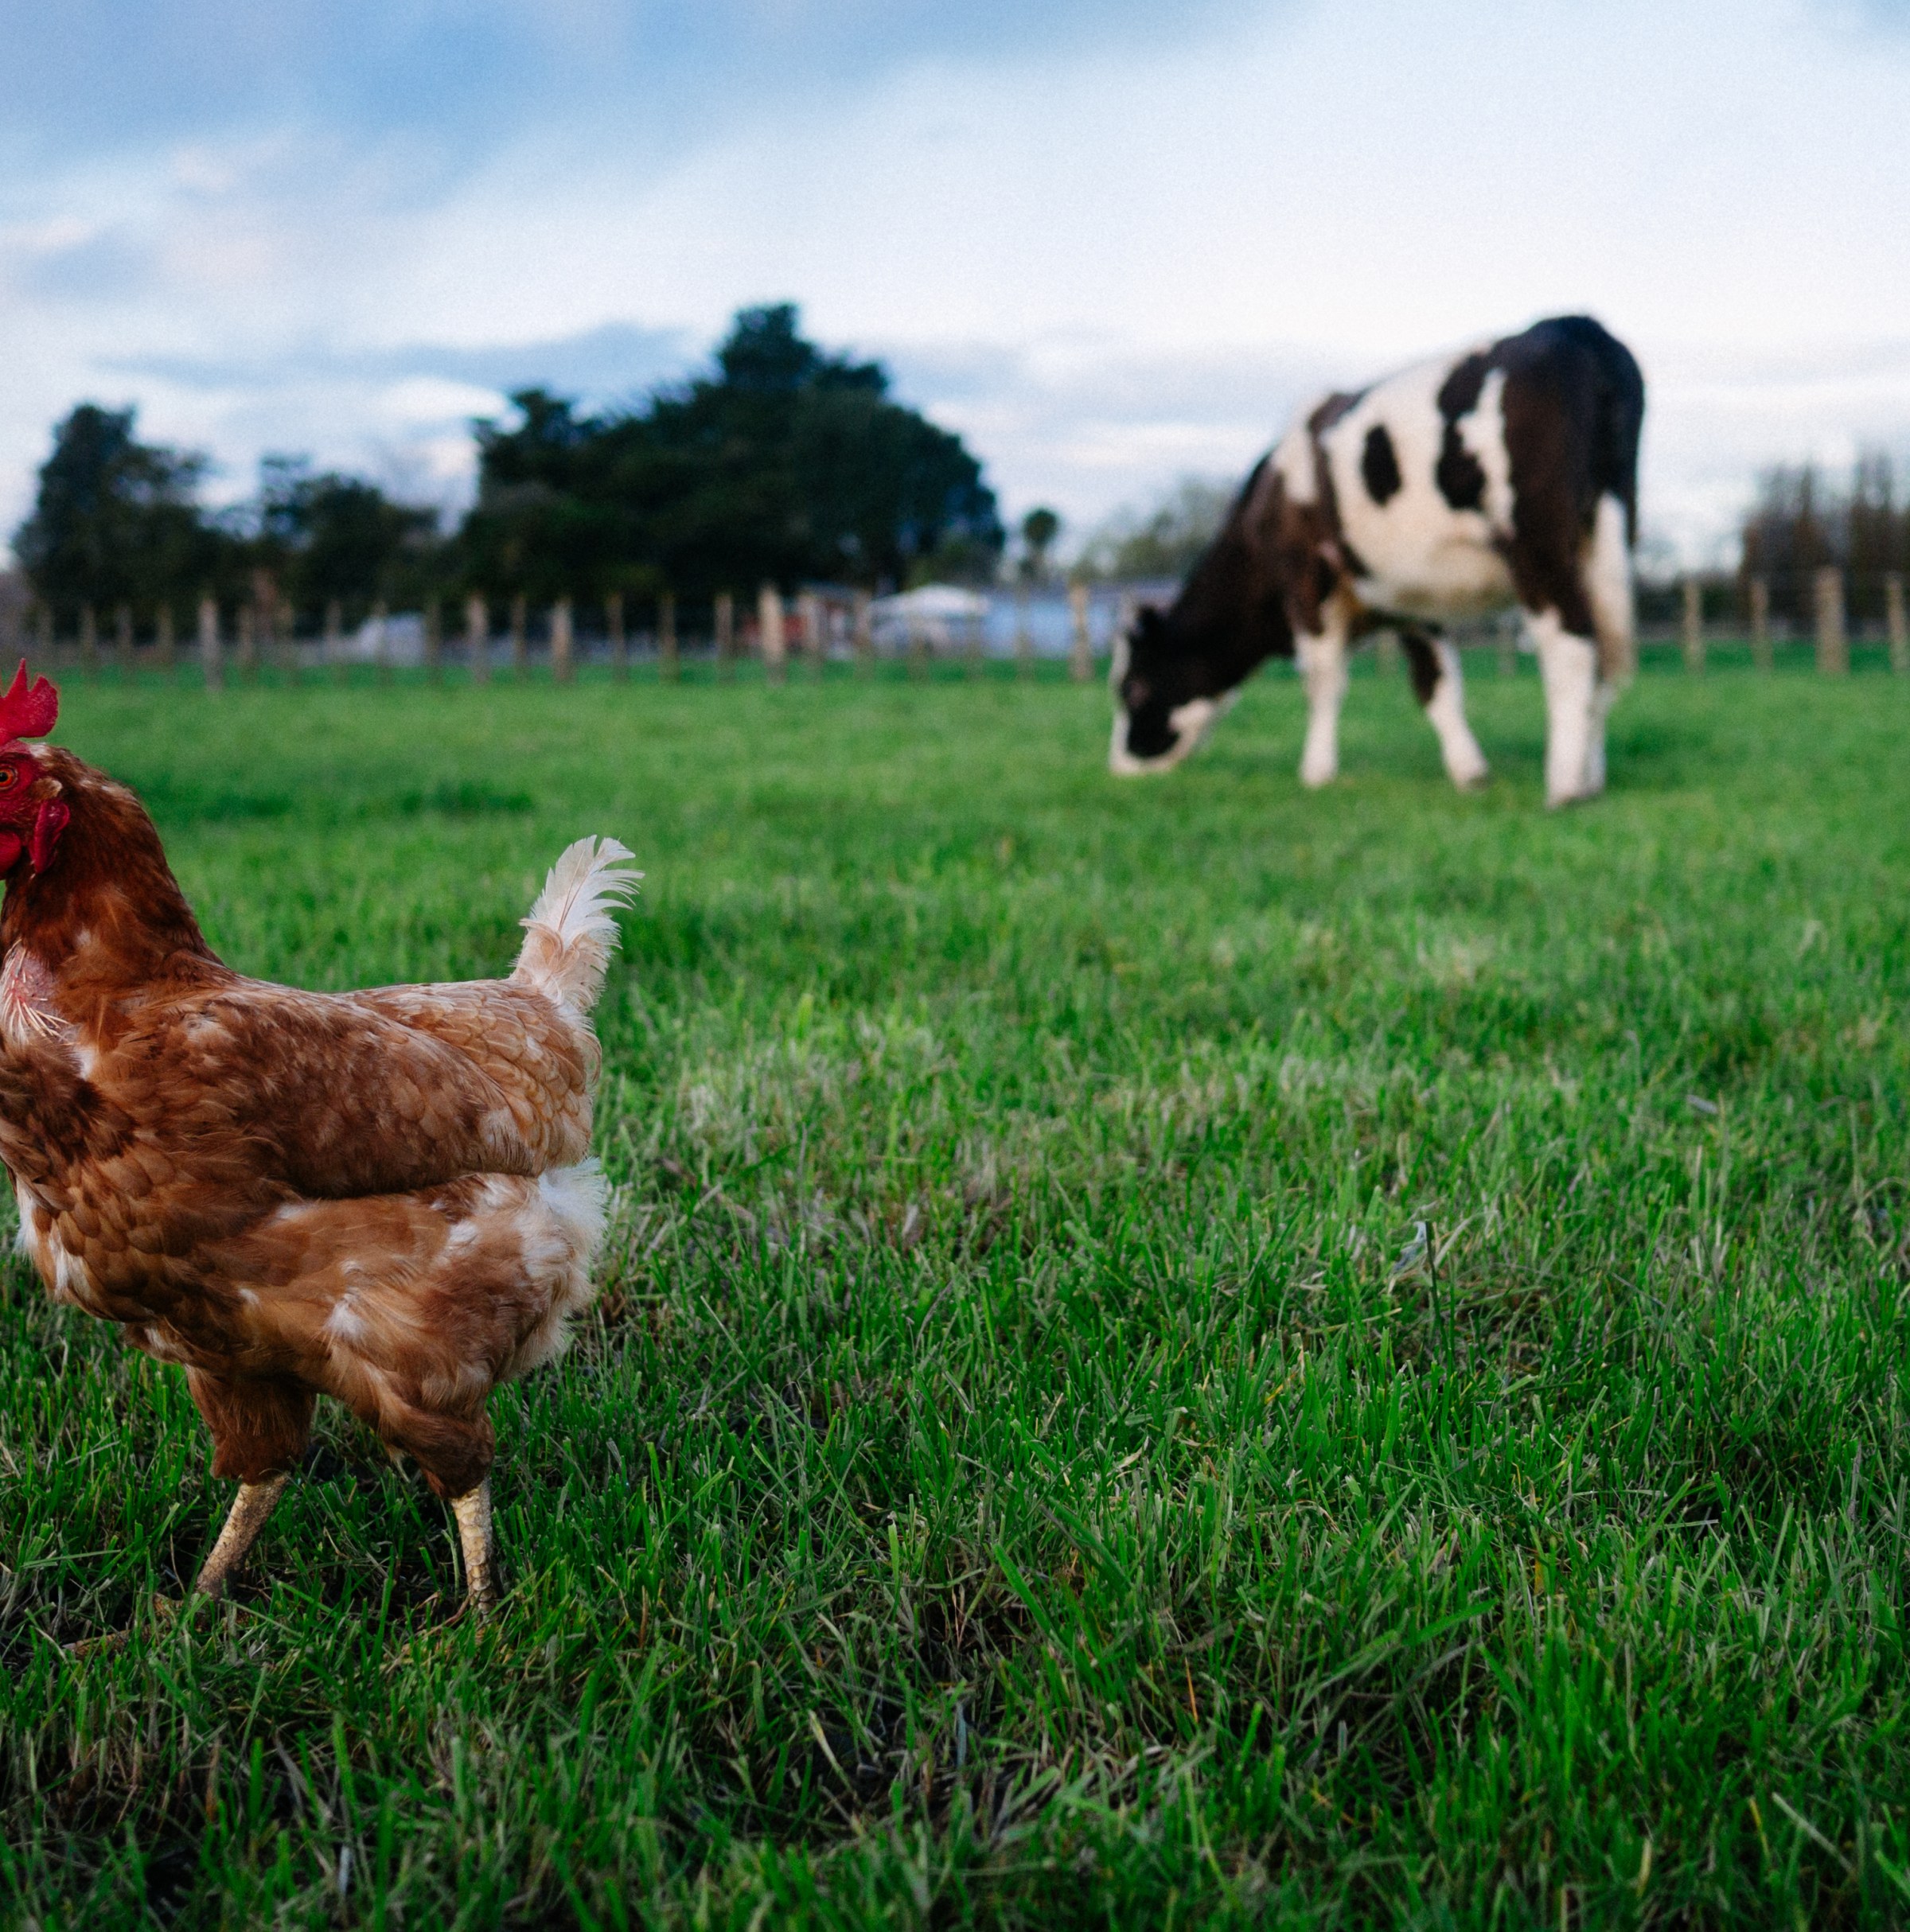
335 1095
544 1064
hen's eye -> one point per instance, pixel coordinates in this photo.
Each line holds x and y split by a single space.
10 776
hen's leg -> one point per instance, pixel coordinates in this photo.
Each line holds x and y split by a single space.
246 1518
479 1544
259 1430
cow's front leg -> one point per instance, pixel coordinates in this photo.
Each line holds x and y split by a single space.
1322 669
1440 690
1576 703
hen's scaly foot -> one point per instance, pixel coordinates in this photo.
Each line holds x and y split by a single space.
165 1611
479 1545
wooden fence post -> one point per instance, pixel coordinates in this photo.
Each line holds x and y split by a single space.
1896 624
246 656
666 665
769 626
1080 646
433 641
265 619
1694 627
89 641
166 645
123 640
916 633
620 647
560 641
809 611
725 619
521 638
862 622
1505 646
209 653
1024 638
478 639
1833 644
1760 623
285 629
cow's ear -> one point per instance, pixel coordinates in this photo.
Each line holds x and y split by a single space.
1150 624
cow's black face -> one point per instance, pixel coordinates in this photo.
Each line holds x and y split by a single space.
1161 711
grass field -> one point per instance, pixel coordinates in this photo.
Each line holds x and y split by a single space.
1023 1470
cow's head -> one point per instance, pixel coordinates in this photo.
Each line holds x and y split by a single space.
1166 699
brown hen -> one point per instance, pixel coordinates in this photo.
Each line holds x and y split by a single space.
384 1197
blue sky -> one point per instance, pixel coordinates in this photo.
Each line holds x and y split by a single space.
1111 243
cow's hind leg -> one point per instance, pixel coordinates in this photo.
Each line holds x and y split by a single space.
1438 686
1606 567
1576 703
1323 669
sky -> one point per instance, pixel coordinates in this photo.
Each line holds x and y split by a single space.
1110 243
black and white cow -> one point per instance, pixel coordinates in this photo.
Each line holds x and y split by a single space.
1507 474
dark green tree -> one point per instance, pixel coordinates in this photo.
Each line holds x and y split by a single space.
325 536
118 520
1039 530
786 465
1166 541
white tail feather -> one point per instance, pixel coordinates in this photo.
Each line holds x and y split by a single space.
570 932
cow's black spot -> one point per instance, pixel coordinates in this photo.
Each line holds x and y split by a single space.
1333 408
1378 467
1458 394
1460 480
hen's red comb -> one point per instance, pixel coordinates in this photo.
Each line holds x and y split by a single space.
28 710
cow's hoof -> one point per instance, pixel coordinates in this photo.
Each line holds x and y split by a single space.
1314 778
1475 779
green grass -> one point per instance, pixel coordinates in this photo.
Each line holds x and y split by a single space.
1011 1477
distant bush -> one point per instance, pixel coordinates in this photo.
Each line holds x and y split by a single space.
1800 522
1165 541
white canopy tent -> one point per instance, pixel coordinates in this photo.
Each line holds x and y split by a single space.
939 617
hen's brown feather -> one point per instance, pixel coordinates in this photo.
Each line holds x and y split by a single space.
364 1194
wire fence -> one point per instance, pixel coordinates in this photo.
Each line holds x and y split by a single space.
483 638
1850 623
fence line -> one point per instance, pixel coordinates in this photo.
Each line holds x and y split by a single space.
1075 626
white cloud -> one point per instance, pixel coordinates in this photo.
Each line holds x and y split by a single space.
1105 262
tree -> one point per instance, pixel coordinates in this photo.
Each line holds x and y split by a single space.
1166 541
786 465
117 521
329 537
1039 530
1799 524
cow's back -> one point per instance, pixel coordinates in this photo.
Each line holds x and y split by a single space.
1432 476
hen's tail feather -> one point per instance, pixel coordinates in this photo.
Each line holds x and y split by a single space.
570 932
